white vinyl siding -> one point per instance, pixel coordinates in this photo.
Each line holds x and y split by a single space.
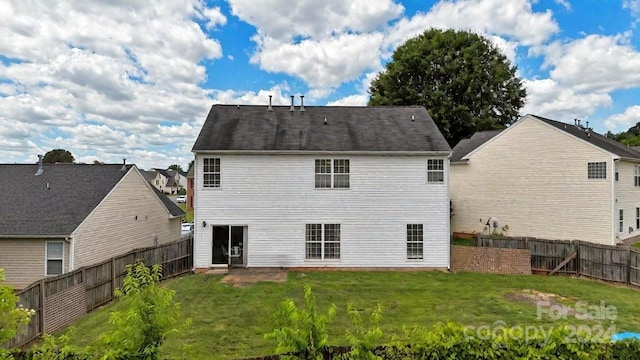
211 173
505 179
54 258
275 196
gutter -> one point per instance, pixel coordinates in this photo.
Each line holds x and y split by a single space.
311 152
65 237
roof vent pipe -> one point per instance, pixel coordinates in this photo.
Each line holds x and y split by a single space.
40 168
301 102
587 125
124 165
270 108
292 108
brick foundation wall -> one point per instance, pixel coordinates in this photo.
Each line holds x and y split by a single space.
490 260
64 308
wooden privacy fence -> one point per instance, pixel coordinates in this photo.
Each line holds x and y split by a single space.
619 264
59 301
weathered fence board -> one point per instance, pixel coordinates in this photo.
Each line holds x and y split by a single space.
99 282
605 262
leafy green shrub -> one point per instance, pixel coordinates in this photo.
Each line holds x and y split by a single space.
150 317
302 333
363 342
12 316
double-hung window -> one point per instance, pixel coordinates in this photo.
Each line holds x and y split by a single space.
435 170
332 173
597 170
322 242
211 173
636 175
638 218
621 221
54 257
415 244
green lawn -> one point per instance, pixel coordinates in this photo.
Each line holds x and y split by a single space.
229 322
189 217
637 245
463 242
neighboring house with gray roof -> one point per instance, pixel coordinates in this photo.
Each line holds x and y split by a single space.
311 187
168 181
73 215
548 179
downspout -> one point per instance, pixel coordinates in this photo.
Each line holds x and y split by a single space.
613 202
71 252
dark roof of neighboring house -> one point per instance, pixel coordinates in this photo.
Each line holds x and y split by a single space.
149 175
347 128
172 207
594 138
30 208
465 146
164 172
190 173
171 182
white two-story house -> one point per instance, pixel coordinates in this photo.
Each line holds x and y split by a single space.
311 187
546 179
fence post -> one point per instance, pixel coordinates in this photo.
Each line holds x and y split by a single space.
477 240
578 267
114 279
42 314
629 264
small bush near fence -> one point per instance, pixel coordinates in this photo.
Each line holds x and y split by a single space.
59 301
620 264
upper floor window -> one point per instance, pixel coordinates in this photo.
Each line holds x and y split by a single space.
597 170
332 173
211 172
435 170
636 175
55 250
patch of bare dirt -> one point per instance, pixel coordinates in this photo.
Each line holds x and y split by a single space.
246 277
534 298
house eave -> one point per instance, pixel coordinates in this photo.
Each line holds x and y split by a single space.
37 237
317 152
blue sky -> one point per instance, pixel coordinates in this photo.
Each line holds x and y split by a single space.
135 80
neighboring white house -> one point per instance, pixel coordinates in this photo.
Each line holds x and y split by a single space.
321 187
72 215
547 179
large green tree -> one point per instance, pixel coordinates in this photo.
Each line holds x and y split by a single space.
58 156
462 78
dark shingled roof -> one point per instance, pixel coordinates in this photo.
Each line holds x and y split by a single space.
594 138
172 207
348 128
465 146
29 208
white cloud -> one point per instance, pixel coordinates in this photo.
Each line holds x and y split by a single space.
564 3
285 20
633 6
547 98
322 64
623 121
351 100
513 19
118 76
595 63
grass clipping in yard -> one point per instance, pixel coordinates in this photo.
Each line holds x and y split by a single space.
230 322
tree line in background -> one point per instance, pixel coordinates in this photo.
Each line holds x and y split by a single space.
630 137
65 157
